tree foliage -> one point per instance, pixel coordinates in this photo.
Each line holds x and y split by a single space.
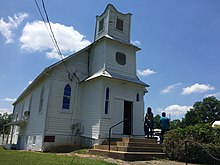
4 119
156 121
203 134
206 111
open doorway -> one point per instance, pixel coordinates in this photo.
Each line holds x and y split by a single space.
127 127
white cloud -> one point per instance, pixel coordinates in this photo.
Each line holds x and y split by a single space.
8 99
5 110
146 72
197 88
35 37
170 88
136 43
6 28
176 110
217 95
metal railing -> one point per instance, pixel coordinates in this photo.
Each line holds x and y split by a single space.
109 132
186 151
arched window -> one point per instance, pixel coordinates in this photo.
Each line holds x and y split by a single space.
66 97
41 100
107 100
22 109
30 104
137 97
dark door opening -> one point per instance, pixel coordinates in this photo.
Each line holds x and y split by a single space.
127 128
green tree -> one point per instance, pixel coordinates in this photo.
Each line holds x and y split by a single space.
176 124
4 119
206 111
156 121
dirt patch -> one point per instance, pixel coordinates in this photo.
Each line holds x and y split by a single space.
121 162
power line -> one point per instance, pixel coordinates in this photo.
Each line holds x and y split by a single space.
45 23
51 33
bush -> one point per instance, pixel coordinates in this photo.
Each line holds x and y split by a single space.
203 134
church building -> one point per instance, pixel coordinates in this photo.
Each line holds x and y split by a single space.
76 100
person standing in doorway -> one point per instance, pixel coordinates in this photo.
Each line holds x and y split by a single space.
165 125
149 123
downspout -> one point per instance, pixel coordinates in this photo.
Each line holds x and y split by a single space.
48 105
74 109
76 97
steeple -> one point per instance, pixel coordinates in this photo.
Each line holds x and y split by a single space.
113 24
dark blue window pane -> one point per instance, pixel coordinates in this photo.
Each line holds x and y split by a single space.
106 107
67 90
66 97
137 97
66 103
107 94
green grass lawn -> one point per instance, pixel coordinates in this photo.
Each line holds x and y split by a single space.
10 157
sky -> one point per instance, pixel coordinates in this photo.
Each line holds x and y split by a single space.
179 41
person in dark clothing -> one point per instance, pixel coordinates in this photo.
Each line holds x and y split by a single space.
149 123
165 125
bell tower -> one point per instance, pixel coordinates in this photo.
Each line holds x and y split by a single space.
113 24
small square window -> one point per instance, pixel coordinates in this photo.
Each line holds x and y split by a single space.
101 24
119 24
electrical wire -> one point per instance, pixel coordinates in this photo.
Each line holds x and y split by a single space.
51 33
44 22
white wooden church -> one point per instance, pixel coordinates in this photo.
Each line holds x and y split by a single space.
76 100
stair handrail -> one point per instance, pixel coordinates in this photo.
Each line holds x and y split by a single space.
109 132
186 151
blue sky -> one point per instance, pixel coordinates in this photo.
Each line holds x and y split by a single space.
180 42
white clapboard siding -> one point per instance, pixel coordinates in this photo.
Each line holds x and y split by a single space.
125 35
36 121
97 57
110 16
129 69
91 105
59 121
119 91
75 65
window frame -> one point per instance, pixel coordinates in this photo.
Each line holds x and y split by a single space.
22 109
41 100
66 97
119 24
101 24
106 110
30 104
120 58
137 97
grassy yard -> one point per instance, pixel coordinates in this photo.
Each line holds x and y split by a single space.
10 157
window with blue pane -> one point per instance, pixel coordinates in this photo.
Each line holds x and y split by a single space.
107 100
66 97
137 97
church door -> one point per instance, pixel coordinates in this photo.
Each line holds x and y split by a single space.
127 129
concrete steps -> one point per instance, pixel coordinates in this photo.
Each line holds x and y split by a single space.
131 149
